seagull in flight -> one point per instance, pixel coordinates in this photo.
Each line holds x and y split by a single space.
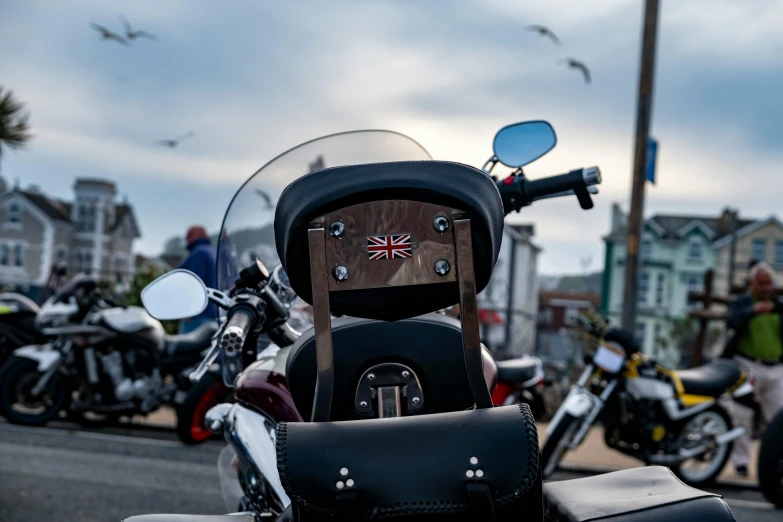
108 35
130 34
173 143
544 31
266 198
576 64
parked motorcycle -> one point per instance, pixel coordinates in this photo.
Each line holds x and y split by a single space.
456 464
108 360
652 413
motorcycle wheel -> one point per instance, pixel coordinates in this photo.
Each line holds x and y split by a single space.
17 379
770 463
209 391
556 444
716 417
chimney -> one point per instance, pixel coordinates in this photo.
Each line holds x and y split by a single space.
619 218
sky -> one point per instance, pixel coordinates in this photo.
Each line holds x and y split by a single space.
253 78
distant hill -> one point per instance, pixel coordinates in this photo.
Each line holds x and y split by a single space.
572 283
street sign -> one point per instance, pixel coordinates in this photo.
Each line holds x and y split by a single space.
652 151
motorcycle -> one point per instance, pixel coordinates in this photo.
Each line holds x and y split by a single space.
770 461
458 462
657 415
108 360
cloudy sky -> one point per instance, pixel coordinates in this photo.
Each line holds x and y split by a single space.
253 78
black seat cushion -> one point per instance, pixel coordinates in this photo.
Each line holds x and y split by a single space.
437 182
650 494
192 342
516 371
711 380
431 345
414 467
191 518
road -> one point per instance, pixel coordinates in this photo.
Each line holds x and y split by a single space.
73 475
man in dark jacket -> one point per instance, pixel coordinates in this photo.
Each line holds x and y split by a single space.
202 262
757 345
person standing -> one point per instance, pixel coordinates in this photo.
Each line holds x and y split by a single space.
757 345
202 261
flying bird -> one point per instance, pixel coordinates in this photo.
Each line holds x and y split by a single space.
265 197
108 35
576 64
544 31
130 34
173 143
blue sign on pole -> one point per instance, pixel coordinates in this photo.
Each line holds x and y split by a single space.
652 151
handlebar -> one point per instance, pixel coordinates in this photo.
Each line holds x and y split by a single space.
239 324
518 191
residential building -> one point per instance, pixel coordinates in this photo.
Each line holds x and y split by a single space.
675 252
760 240
92 234
512 294
558 310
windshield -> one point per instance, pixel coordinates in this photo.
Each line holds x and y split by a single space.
248 230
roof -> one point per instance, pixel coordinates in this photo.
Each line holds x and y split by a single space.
53 208
747 228
676 226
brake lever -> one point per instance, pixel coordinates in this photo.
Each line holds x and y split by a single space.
208 361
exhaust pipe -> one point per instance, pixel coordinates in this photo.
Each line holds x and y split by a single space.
685 454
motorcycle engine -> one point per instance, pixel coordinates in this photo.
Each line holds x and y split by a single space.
127 375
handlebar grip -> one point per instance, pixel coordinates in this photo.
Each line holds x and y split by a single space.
240 322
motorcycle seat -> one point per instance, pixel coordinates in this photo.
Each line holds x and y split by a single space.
516 371
191 518
651 493
192 342
710 380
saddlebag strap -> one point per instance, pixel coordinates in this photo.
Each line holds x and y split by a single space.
480 502
479 465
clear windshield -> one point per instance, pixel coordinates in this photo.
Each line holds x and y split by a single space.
248 230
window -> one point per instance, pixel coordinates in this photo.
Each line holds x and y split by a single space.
695 250
18 255
14 213
660 281
641 331
695 283
657 341
644 286
646 251
62 254
87 268
758 249
77 260
779 254
86 219
4 255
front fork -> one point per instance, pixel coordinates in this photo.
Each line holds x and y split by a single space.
64 349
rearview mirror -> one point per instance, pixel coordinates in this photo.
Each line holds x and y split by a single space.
175 295
521 143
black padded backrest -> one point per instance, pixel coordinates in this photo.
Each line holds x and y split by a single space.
440 183
475 465
431 345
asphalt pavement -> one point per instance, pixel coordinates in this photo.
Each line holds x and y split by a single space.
69 474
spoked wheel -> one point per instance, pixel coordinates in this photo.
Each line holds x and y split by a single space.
557 443
702 429
209 391
770 463
17 402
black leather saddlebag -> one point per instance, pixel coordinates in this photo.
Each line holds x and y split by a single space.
649 494
477 465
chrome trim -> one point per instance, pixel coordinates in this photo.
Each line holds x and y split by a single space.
254 435
591 175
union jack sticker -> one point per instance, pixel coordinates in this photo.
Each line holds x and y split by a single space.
388 247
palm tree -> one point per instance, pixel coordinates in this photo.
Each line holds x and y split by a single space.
14 125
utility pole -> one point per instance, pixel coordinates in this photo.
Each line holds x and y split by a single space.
643 116
732 250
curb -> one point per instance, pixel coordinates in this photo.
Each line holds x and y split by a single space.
597 470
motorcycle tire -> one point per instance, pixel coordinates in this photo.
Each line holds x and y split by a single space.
552 449
702 481
18 375
209 391
770 463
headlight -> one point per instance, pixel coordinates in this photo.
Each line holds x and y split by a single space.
609 357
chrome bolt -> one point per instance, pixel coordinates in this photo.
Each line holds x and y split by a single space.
371 377
340 273
415 401
406 374
441 224
442 267
363 404
337 229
